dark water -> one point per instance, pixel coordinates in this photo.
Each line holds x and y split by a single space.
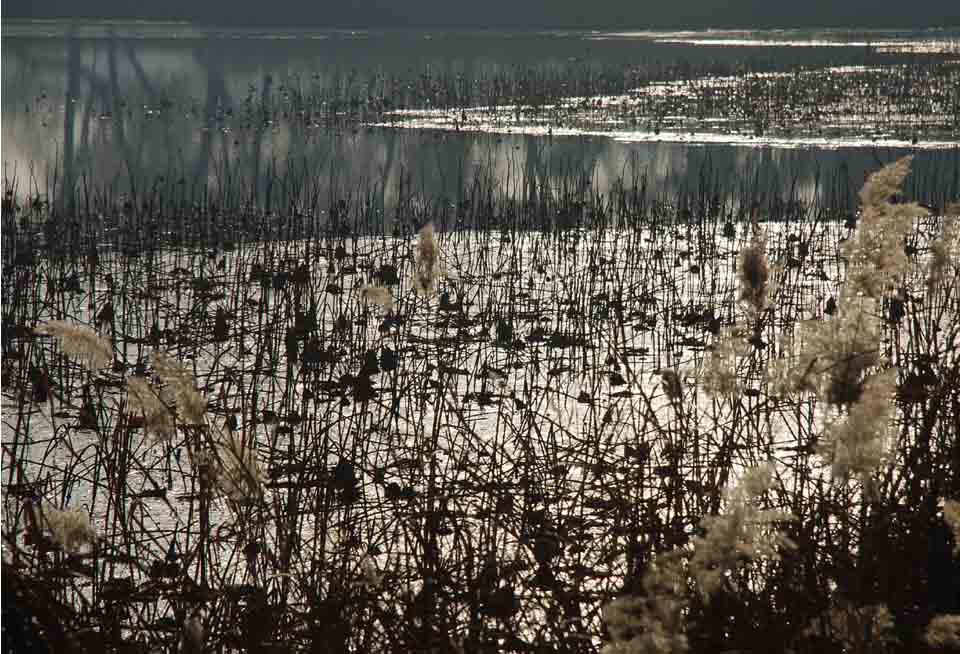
122 105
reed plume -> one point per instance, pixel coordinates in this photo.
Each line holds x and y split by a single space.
142 398
79 342
238 474
859 628
741 532
943 631
951 514
753 270
180 382
944 251
719 375
876 256
839 352
855 444
651 623
426 262
654 622
377 295
69 528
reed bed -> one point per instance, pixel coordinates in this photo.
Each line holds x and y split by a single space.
914 99
474 426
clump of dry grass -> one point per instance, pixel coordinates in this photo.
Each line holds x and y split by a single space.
79 342
839 352
651 623
837 363
646 517
866 628
836 358
95 352
426 262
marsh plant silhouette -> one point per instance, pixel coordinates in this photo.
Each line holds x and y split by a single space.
462 442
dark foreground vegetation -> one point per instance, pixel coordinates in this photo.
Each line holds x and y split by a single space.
317 428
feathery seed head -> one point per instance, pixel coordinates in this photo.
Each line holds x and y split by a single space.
862 628
652 623
943 631
719 375
70 528
876 255
951 513
79 342
838 352
190 403
378 295
883 184
742 531
238 473
426 261
142 398
855 445
754 272
944 252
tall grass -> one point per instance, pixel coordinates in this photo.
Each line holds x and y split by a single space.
591 420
